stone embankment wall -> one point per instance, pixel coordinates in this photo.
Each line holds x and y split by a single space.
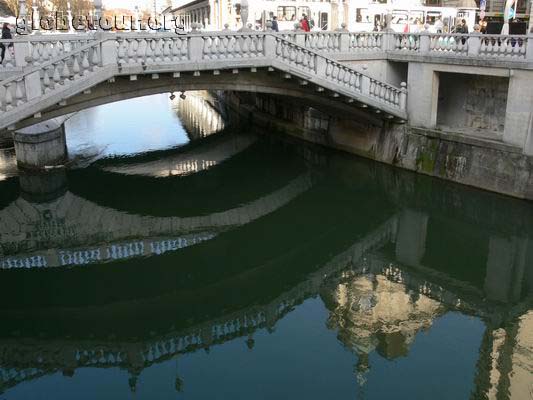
471 160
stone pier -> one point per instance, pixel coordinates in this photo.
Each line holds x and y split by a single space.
41 145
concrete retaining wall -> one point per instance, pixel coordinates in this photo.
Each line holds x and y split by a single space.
473 161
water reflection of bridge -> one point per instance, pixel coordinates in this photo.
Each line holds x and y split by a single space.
72 221
377 300
383 286
189 162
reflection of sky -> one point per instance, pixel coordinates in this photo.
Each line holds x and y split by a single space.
8 164
126 127
301 359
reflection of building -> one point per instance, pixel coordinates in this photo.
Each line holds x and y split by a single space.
37 357
374 304
8 164
198 115
375 313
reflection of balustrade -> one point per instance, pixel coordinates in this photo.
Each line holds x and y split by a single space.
76 230
30 361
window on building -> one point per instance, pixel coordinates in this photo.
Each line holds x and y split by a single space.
286 13
432 16
416 16
362 15
399 17
303 10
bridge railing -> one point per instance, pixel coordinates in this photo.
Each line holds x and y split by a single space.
48 82
52 74
31 50
506 48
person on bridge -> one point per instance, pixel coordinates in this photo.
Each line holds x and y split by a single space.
275 27
304 24
462 28
439 26
6 34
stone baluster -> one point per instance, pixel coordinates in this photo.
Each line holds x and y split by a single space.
22 52
529 47
388 41
474 44
344 42
365 82
424 42
403 96
108 52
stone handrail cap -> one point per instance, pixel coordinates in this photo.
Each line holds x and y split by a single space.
44 126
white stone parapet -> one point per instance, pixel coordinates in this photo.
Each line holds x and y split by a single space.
51 76
49 69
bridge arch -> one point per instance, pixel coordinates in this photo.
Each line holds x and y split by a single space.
263 81
63 77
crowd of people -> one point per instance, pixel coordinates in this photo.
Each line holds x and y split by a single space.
305 23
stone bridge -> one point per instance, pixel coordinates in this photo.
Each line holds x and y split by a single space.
50 71
50 75
474 92
55 76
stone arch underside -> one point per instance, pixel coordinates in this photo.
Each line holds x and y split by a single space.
120 87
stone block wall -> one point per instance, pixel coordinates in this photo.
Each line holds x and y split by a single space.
472 102
476 162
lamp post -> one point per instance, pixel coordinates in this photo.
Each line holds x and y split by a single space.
69 16
23 15
244 15
35 19
97 13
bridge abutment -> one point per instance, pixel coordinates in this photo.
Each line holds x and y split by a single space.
41 145
422 108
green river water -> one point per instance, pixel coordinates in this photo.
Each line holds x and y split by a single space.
180 258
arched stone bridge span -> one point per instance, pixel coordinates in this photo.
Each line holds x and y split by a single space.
186 57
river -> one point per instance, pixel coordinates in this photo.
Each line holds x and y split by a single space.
179 256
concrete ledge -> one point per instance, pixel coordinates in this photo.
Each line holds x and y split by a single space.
467 139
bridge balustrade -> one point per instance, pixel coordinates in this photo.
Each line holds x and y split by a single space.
42 65
507 48
47 80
